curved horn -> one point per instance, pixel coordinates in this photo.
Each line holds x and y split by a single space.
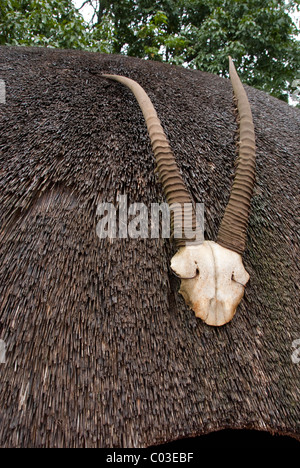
233 229
172 182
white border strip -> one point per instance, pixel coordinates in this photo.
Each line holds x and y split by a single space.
2 92
2 352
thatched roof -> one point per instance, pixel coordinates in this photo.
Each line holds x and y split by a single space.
101 349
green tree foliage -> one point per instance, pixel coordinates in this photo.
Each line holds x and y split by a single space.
51 23
260 35
143 28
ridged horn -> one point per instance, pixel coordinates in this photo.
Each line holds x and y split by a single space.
171 179
233 229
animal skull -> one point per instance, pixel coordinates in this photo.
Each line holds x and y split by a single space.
213 276
213 280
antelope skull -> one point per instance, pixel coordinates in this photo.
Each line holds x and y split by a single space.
212 274
213 280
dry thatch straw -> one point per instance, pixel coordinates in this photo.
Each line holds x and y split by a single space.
101 349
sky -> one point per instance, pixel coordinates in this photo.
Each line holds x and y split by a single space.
87 11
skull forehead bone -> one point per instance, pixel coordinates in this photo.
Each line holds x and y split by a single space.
213 280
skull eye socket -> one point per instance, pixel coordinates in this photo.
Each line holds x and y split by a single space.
235 281
197 273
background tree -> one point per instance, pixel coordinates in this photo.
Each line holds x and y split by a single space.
259 34
52 23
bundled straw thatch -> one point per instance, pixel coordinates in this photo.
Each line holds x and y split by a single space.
101 349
